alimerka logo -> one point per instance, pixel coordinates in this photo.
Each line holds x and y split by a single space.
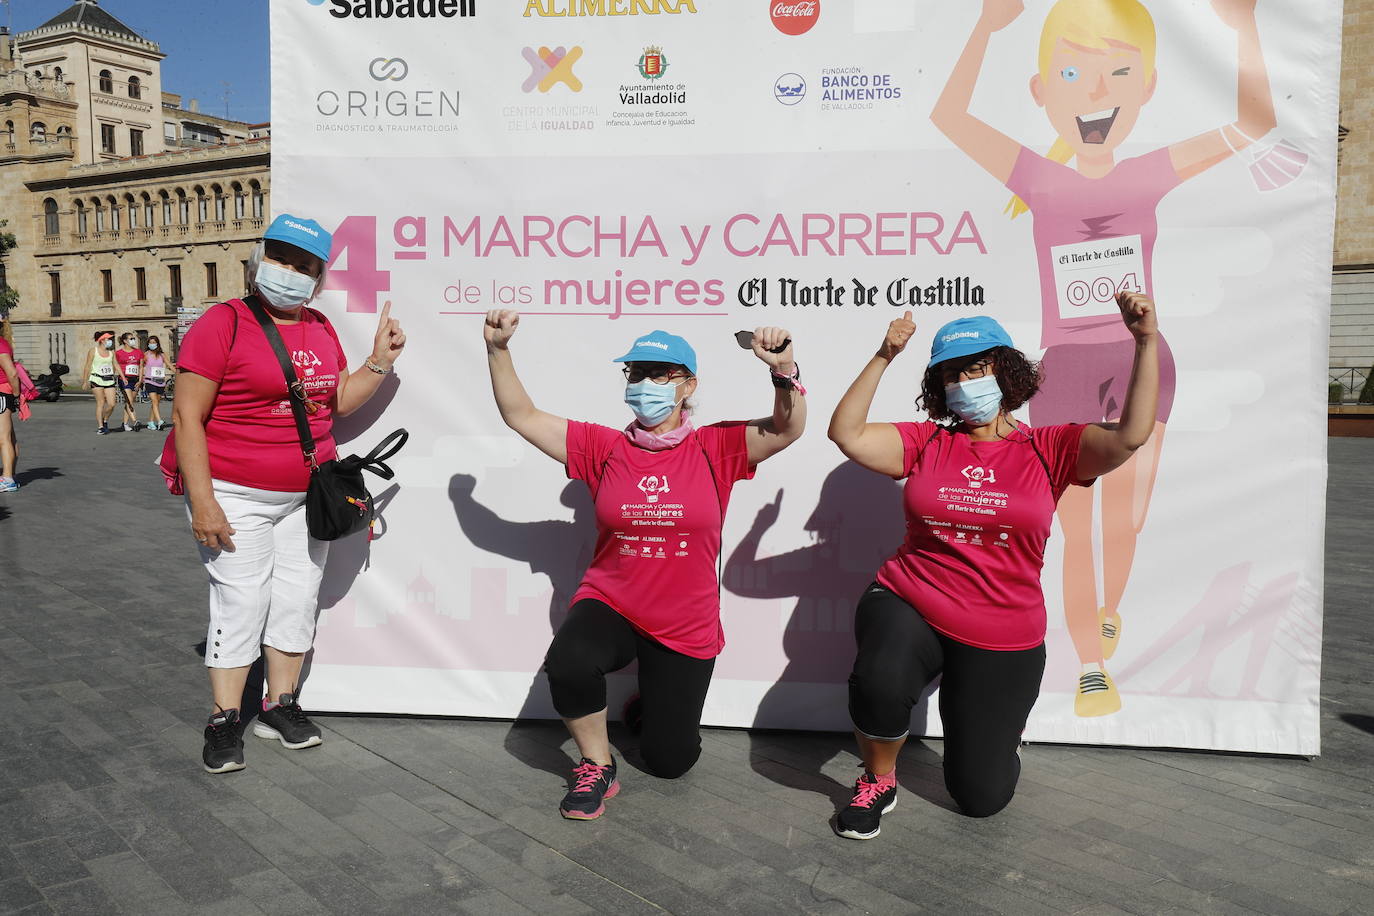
400 9
559 8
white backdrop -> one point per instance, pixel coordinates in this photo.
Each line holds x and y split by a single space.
528 154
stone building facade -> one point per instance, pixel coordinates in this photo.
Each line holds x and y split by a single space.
1352 288
131 212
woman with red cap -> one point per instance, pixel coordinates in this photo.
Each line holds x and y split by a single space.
239 456
961 598
652 593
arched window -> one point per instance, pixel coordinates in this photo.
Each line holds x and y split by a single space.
218 194
107 82
147 210
81 226
99 214
183 207
166 207
57 74
202 205
239 201
51 226
114 212
38 131
256 191
135 88
133 210
9 131
64 130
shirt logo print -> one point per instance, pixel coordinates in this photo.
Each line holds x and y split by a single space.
977 476
652 486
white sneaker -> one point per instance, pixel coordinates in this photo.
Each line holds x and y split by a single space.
128 428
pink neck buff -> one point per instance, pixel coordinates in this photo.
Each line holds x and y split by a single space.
657 442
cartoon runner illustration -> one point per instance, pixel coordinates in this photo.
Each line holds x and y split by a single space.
1095 228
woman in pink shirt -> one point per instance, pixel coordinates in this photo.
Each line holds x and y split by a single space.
236 448
129 365
9 406
652 593
961 598
157 368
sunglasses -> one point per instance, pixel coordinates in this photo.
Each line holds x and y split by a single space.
658 373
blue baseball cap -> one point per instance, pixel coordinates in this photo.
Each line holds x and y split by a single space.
967 336
305 234
661 347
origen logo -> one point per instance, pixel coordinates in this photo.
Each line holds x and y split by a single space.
548 67
388 68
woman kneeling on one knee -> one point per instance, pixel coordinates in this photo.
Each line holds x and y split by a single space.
651 594
245 476
961 598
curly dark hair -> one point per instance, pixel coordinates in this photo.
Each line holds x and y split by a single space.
1018 377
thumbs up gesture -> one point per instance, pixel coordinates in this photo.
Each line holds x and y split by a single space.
898 333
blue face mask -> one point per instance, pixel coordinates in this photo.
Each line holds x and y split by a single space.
976 401
282 288
652 403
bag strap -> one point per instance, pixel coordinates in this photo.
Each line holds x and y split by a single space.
295 390
375 460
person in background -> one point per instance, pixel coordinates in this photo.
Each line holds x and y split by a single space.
157 368
99 373
239 457
129 363
9 408
961 598
652 593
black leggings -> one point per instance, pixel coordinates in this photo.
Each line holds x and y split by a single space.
985 696
594 641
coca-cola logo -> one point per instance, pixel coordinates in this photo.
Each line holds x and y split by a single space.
793 17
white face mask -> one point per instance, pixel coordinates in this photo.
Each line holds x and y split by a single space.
283 288
109 345
152 346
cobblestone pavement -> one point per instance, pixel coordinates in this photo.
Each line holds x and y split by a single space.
104 807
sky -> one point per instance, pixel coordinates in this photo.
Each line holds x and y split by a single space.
207 45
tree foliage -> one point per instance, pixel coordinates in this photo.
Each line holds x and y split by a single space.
9 296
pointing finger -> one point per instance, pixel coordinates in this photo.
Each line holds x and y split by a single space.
386 313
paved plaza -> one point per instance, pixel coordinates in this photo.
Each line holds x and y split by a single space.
104 807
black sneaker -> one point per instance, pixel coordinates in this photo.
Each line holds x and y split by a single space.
872 799
223 751
287 724
592 784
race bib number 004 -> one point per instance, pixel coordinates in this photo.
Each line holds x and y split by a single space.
1088 275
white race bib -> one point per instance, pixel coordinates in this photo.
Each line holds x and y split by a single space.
105 372
131 369
155 372
1088 275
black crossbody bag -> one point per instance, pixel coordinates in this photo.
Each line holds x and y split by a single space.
337 503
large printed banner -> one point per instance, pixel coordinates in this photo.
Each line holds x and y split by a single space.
613 166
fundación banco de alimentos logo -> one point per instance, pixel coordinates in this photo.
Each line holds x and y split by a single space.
548 67
790 88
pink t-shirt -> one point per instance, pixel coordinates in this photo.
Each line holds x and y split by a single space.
128 361
1092 237
7 350
658 518
977 518
251 432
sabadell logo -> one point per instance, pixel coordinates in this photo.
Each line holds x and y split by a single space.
399 9
959 334
651 343
794 17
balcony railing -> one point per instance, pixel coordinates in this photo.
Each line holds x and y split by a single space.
52 241
246 223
